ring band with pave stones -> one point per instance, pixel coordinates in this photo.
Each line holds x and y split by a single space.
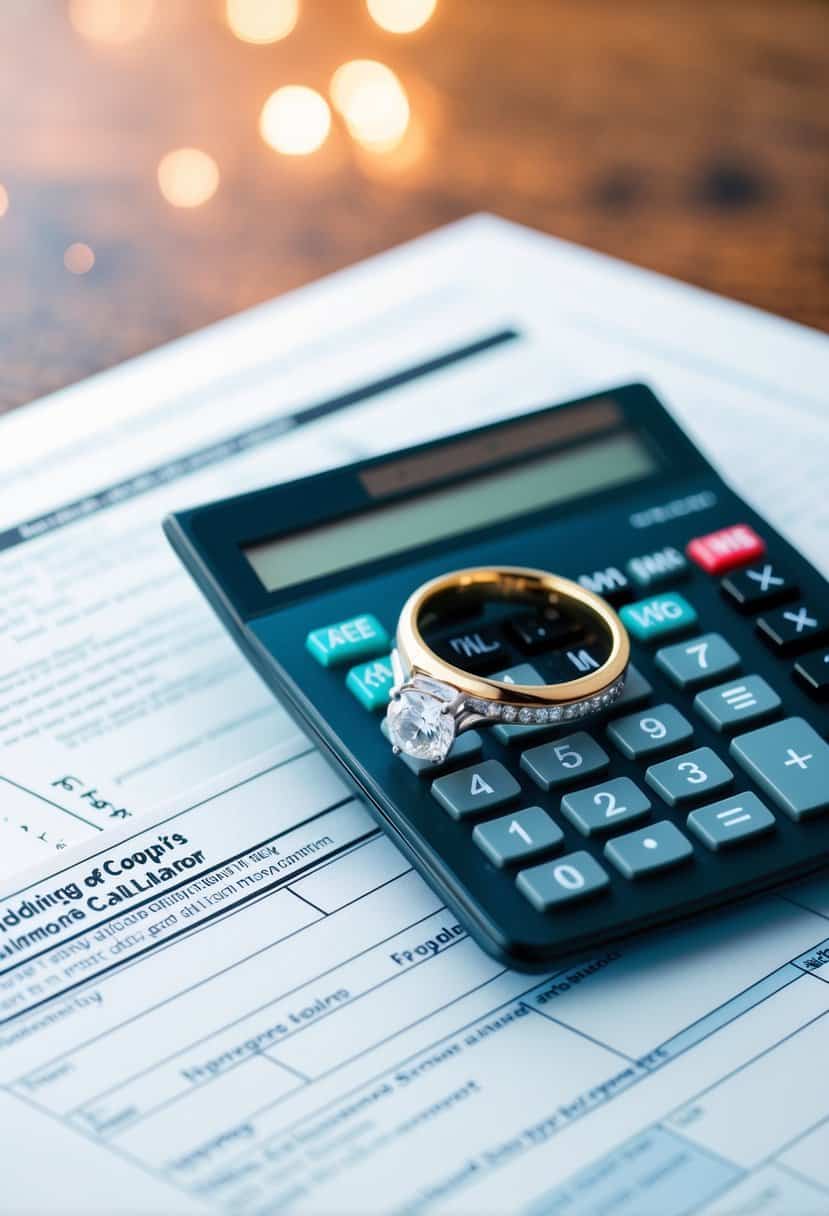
433 701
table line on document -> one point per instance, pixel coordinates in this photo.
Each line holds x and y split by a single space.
267 1052
247 901
789 1169
641 1070
727 1076
314 979
351 847
184 810
284 881
584 1035
90 823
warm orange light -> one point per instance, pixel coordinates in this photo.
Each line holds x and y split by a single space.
4 201
401 16
188 177
79 258
261 21
373 103
295 120
114 21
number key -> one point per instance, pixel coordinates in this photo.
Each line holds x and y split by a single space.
475 790
557 882
518 837
661 729
604 807
690 776
703 659
565 761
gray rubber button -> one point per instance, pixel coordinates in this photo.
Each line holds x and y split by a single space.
565 761
730 821
659 729
650 849
698 662
475 790
518 837
553 883
466 747
605 807
790 762
740 702
689 777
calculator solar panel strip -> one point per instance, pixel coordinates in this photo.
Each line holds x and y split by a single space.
707 784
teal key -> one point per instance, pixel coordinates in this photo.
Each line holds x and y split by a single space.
347 641
371 682
657 616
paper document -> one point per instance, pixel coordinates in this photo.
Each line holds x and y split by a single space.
221 987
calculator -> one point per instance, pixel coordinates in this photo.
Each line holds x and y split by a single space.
705 782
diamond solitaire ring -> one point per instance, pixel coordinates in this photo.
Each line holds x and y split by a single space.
433 701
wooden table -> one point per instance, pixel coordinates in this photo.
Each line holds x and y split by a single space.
691 136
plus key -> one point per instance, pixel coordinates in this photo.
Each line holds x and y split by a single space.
790 761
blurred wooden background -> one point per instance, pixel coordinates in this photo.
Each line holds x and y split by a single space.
690 136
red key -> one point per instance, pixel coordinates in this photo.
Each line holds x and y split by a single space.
723 550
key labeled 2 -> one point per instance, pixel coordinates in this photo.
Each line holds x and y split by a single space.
602 808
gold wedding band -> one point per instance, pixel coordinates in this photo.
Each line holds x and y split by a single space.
433 700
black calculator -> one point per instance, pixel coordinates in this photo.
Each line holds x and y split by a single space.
707 781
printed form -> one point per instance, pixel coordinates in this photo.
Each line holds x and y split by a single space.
221 987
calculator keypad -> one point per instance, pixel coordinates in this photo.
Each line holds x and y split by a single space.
792 630
565 761
654 618
689 777
699 661
660 729
738 703
680 797
759 586
657 847
574 877
731 821
606 807
790 762
519 837
475 790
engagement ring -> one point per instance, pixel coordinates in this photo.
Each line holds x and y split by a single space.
433 701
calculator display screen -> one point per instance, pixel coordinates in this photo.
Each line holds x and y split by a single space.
451 511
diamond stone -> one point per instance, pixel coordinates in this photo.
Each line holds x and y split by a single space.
418 727
509 713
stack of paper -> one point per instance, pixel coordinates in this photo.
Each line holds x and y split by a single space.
221 987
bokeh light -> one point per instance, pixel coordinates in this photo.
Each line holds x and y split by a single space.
261 21
188 177
4 201
295 120
114 21
79 258
401 16
373 103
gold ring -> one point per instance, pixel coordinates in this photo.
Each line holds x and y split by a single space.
433 701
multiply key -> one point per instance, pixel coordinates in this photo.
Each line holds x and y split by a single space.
791 630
